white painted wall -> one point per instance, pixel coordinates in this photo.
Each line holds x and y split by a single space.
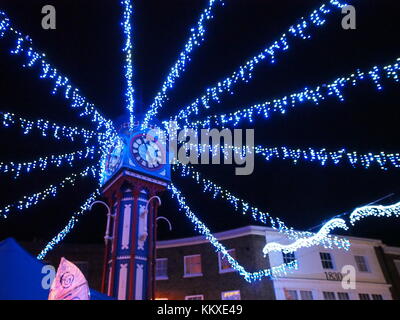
311 275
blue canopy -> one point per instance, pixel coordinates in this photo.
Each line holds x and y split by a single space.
21 275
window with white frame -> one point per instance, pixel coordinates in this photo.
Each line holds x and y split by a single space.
377 297
291 294
343 296
192 266
306 295
329 295
195 297
288 257
364 296
223 263
361 262
230 295
161 269
326 260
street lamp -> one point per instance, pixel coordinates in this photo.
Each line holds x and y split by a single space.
109 215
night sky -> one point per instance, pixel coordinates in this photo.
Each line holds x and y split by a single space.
86 47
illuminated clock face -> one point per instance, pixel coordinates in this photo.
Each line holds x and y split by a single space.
114 158
148 152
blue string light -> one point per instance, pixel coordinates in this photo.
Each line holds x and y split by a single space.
48 128
316 96
51 191
23 47
18 168
264 217
243 74
70 225
202 229
128 68
196 39
324 157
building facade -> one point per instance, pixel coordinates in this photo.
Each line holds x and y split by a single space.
190 269
331 274
389 258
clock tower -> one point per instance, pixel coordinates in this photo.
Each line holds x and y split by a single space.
136 171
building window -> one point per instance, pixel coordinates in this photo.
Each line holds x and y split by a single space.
230 295
306 295
326 260
224 265
343 296
291 294
329 295
192 266
364 296
195 297
377 297
288 257
361 263
162 269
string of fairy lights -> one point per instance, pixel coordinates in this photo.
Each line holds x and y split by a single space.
321 156
304 242
128 67
18 168
201 228
23 47
316 96
196 39
70 225
243 74
301 239
258 215
51 191
378 211
47 128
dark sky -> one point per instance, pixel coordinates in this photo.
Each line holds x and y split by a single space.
86 46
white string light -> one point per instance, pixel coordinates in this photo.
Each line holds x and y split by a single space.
375 211
314 240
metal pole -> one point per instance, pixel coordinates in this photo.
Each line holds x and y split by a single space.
107 235
154 231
